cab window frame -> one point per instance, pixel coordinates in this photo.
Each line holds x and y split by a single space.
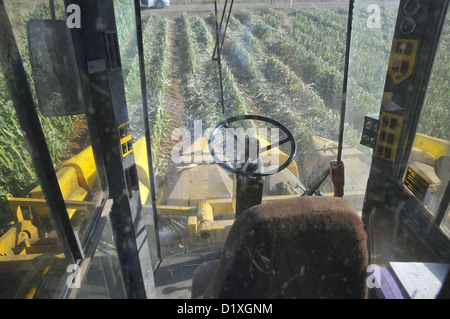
75 249
427 223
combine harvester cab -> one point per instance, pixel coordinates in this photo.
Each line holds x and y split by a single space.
322 173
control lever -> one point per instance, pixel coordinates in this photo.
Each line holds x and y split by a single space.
337 177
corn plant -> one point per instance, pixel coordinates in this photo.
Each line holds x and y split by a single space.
156 38
201 88
187 49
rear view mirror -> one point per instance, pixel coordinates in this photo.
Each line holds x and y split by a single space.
55 68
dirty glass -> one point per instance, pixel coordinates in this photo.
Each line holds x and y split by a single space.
428 170
127 35
32 263
67 134
257 72
103 279
31 254
282 61
372 33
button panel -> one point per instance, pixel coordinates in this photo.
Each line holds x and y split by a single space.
125 138
370 130
402 59
388 136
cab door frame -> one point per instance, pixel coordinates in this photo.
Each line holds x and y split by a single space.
99 48
106 113
76 251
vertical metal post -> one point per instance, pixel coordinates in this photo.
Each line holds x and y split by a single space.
344 87
337 171
52 9
218 56
107 96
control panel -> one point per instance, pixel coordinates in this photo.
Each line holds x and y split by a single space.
389 130
370 130
126 142
383 134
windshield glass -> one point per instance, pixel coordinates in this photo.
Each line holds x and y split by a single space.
428 172
282 62
27 224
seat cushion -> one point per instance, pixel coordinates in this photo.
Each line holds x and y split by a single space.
306 247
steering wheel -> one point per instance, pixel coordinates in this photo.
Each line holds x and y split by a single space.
242 171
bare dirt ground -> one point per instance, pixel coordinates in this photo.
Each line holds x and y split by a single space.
174 100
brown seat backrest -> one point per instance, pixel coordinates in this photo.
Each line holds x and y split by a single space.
307 247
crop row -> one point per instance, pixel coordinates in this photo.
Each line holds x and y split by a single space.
312 44
368 63
156 38
274 89
200 82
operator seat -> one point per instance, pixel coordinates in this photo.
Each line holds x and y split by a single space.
305 247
